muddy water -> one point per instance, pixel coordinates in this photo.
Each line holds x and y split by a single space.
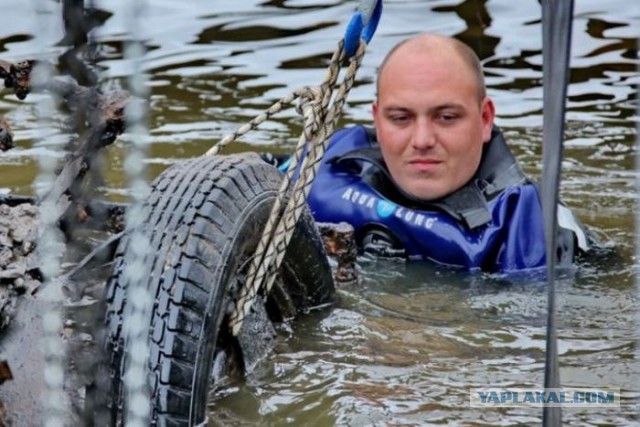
404 347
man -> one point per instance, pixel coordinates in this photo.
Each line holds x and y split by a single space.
436 180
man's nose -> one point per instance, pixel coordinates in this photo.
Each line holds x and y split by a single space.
424 135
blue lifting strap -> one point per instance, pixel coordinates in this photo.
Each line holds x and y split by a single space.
363 25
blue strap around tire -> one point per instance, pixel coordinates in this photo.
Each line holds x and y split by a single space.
363 25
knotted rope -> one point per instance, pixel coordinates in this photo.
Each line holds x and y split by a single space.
320 121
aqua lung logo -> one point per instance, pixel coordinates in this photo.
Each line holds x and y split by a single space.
386 209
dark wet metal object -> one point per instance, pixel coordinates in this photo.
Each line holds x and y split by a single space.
6 136
257 337
556 28
340 243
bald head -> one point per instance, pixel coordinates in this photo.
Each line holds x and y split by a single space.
432 45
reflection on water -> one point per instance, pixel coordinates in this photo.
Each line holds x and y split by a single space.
404 347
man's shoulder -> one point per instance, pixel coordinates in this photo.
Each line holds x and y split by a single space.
354 136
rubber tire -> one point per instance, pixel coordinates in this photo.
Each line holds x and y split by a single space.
205 219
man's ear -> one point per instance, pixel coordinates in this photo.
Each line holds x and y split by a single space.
488 113
374 110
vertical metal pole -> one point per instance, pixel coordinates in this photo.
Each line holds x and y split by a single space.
137 316
556 35
637 221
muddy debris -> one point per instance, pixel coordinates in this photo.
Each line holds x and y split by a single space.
22 304
18 271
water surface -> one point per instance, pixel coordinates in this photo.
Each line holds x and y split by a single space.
404 346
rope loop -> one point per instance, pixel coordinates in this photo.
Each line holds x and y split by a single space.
320 123
309 106
321 117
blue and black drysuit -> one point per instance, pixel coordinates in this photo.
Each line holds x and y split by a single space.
493 223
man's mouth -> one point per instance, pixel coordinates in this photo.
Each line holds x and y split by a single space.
425 160
424 165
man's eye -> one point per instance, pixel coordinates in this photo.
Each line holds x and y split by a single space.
398 119
448 117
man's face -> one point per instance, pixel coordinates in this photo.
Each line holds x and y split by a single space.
430 124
